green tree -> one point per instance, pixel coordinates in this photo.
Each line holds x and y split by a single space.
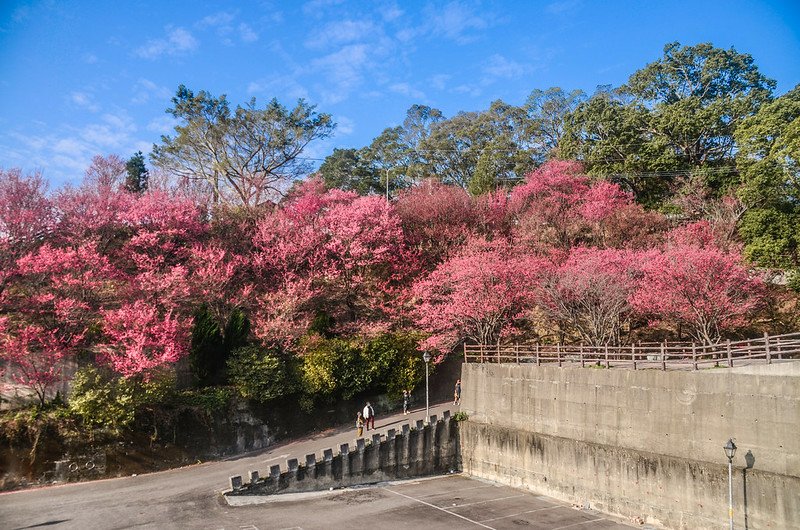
346 169
137 176
548 111
769 163
244 156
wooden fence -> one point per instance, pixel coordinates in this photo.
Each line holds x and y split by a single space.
663 356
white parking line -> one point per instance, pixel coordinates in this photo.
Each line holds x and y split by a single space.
488 500
441 509
578 524
521 513
459 490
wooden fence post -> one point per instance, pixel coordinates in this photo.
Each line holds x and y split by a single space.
580 354
633 355
694 356
663 356
465 352
766 347
778 347
728 348
481 352
607 363
558 354
538 360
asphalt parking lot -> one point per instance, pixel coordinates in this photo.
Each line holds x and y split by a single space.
453 501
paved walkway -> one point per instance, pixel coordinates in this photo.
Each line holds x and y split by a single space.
191 497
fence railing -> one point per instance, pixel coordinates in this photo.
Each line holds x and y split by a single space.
662 355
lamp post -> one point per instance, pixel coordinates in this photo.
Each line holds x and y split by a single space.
387 184
730 450
426 357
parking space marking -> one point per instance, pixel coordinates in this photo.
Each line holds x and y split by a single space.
582 522
459 490
488 500
520 513
440 509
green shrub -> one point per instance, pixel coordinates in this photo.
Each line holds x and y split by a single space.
343 368
103 399
260 374
209 399
460 416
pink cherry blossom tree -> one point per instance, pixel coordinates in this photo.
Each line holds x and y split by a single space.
34 356
706 289
483 294
589 293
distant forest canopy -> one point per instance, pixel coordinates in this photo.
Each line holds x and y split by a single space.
672 216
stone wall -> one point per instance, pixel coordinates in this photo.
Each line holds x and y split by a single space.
427 449
642 444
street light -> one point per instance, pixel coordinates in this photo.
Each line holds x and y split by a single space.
730 450
426 357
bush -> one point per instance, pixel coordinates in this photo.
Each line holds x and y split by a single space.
460 416
102 398
342 368
261 375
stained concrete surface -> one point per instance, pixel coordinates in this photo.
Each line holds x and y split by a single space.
452 501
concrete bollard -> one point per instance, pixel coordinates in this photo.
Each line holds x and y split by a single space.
275 472
446 415
327 455
236 482
292 465
344 449
420 424
360 444
391 434
253 476
376 439
311 460
406 428
433 419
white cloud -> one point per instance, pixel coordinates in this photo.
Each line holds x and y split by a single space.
405 89
344 126
84 100
391 12
178 41
286 84
246 33
64 154
341 32
562 7
457 21
221 19
315 7
144 90
439 81
500 67
343 71
162 125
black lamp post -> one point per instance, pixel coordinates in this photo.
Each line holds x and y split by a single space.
730 450
426 357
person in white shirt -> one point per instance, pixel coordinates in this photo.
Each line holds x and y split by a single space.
369 415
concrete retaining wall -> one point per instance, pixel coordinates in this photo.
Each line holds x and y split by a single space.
644 444
426 449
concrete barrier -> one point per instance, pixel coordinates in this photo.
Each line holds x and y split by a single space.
644 444
430 450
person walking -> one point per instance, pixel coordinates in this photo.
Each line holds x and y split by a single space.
457 393
406 400
369 416
360 424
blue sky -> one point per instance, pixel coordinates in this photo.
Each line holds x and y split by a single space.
79 78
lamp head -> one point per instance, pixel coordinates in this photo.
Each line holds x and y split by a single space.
426 357
730 449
